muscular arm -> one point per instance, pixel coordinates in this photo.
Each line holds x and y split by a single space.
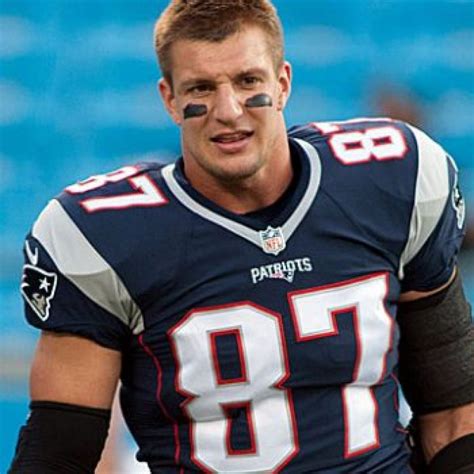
441 428
74 370
72 384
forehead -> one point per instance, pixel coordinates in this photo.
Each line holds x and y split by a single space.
245 50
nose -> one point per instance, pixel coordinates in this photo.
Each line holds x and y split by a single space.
227 107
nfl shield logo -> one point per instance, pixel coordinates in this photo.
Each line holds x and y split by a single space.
272 240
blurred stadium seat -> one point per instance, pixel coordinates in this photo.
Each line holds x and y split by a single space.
77 88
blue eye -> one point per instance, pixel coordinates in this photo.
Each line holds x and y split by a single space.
199 89
250 80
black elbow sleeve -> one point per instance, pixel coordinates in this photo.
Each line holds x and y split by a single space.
436 365
60 438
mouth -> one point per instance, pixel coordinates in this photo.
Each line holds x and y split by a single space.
231 137
232 142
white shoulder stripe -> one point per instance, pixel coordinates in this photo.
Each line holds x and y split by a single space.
80 263
431 193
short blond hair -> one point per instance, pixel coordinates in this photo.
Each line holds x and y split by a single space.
214 20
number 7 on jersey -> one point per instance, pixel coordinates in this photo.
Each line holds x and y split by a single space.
264 368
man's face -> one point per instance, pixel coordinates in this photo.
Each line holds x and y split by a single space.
232 141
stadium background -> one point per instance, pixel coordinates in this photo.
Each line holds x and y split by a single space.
78 97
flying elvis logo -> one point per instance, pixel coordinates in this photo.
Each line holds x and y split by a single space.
37 285
459 206
285 270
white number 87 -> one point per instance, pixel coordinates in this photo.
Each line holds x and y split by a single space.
264 361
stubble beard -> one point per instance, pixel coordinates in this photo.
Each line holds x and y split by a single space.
236 175
231 170
248 168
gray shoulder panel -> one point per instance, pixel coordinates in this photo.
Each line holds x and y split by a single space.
431 194
80 263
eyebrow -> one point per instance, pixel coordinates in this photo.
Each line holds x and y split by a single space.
255 71
202 81
194 82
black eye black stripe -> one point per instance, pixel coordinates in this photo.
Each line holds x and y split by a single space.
259 100
198 110
194 110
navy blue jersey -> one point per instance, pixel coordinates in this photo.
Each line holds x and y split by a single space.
259 342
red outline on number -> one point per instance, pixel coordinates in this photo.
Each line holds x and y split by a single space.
134 169
370 447
355 374
277 384
320 129
395 157
371 157
340 123
247 406
336 153
317 289
130 180
159 386
396 400
392 326
355 323
335 331
217 368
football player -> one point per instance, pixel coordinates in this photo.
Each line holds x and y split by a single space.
260 298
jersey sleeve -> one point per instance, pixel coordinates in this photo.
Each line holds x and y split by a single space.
437 224
68 287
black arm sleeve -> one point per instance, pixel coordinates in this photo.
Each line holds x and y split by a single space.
60 438
436 350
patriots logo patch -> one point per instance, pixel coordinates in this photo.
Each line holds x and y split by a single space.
38 288
459 206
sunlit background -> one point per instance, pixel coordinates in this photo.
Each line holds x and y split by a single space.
78 97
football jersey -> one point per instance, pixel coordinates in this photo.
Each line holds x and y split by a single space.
261 342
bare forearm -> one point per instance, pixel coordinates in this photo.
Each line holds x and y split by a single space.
73 381
439 429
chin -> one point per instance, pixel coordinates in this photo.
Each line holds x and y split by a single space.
235 169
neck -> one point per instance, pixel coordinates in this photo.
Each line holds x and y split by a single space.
245 195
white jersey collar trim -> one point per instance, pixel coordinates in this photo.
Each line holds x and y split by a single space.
243 231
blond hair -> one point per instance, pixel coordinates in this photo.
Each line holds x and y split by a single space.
214 20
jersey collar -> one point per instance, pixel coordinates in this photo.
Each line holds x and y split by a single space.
271 240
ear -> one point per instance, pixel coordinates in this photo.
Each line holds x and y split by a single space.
284 80
167 95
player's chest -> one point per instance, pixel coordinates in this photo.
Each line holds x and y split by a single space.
231 305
